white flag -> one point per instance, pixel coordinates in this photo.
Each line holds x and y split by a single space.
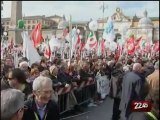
29 50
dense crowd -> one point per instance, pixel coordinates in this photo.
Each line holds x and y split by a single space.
132 78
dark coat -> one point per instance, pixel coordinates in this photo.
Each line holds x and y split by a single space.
64 78
116 83
132 89
51 110
85 75
28 90
4 84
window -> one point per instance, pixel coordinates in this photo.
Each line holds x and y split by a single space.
33 21
7 23
29 27
33 26
28 21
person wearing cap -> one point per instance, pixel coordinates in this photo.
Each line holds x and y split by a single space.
12 104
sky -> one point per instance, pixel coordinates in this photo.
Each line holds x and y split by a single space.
83 10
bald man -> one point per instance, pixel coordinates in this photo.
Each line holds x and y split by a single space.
132 89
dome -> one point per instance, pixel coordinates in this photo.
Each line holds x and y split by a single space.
145 21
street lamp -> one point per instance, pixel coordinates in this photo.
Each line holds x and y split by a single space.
103 7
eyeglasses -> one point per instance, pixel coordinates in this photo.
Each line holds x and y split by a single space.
10 78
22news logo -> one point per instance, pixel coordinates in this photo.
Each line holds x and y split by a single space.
141 106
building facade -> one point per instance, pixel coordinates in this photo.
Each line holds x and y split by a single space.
31 21
123 25
147 27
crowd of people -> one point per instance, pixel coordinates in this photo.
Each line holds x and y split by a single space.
28 92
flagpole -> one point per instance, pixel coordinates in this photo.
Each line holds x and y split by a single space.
70 29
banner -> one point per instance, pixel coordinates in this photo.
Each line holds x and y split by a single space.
103 86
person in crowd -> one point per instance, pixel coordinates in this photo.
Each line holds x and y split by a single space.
4 80
35 65
40 106
23 65
153 81
53 73
17 80
45 73
116 89
148 68
12 104
132 89
63 75
43 63
33 74
153 96
84 72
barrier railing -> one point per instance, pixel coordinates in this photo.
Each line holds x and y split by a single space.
75 95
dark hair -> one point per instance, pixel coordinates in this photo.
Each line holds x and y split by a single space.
41 68
19 75
34 65
6 69
129 62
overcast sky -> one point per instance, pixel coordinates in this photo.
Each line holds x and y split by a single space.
83 10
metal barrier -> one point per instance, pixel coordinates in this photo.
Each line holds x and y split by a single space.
80 94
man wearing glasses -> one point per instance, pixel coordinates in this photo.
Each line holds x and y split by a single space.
40 106
12 104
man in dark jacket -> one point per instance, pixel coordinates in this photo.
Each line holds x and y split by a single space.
116 89
85 73
40 106
132 89
4 80
17 80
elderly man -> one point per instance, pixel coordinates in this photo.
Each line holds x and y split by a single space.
40 106
153 81
12 104
132 89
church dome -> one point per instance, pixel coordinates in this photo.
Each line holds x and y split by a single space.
145 21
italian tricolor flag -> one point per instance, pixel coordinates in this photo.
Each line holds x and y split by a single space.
91 42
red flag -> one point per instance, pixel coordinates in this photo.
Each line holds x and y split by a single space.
103 47
78 43
36 35
137 43
47 52
130 45
118 52
82 46
156 47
